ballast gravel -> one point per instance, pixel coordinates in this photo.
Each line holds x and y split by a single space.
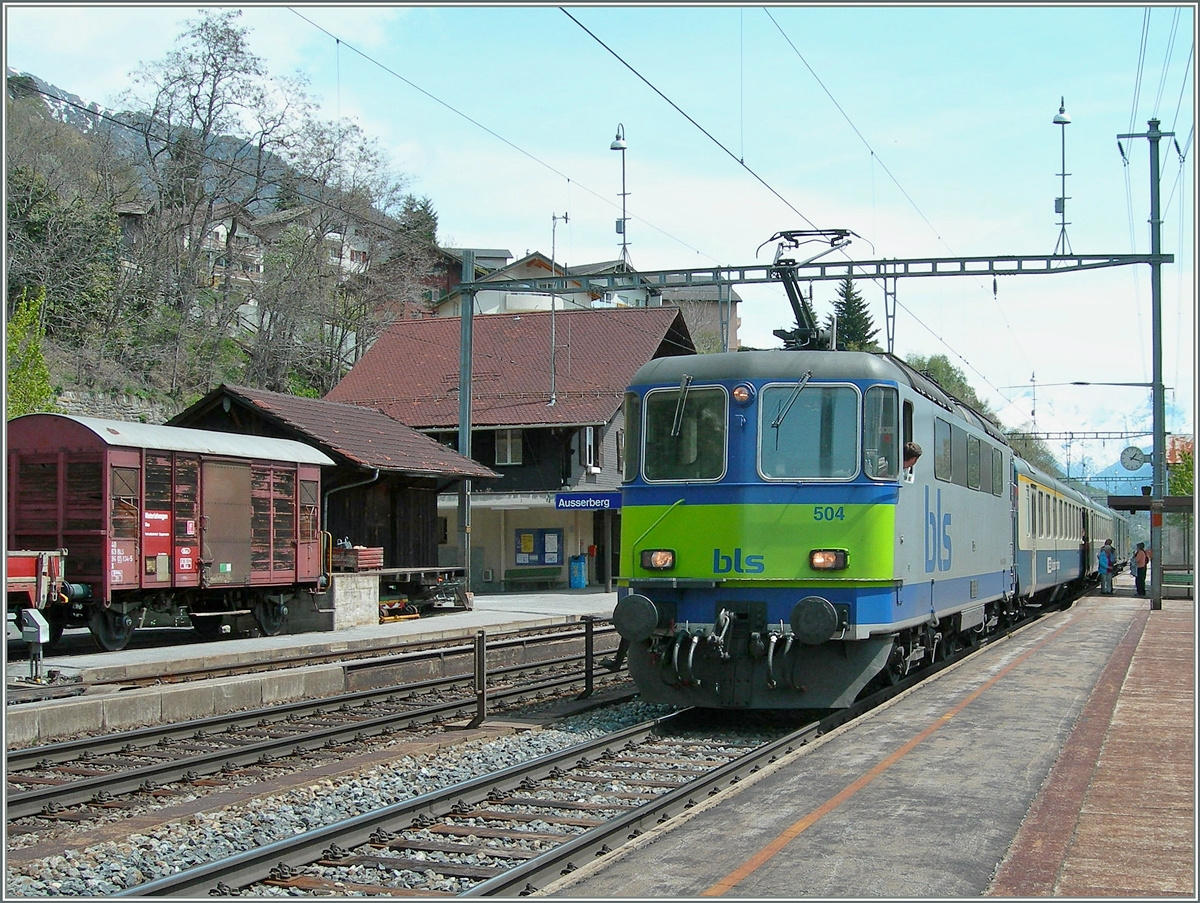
107 868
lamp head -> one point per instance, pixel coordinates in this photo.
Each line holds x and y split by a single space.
619 141
1063 118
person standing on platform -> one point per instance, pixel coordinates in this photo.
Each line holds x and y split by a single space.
1141 558
1106 564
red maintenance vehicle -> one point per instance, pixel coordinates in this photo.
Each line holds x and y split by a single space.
131 524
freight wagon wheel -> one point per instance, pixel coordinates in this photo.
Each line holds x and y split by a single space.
111 629
271 614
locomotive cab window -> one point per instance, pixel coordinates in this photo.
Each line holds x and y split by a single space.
633 433
810 434
880 455
685 433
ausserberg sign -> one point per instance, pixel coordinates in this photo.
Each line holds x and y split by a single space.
590 501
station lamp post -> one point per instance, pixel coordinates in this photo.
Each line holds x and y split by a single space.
1063 119
618 144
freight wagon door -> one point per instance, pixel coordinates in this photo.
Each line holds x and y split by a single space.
225 523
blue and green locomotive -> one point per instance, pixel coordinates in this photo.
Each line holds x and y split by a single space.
778 553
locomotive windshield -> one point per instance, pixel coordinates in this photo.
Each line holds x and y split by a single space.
818 439
685 438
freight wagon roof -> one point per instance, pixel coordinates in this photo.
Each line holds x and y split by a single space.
121 434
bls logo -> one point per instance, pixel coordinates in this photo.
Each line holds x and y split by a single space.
937 535
750 564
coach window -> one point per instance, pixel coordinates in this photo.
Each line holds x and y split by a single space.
941 449
633 433
879 433
685 434
812 434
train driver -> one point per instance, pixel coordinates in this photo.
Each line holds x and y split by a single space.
912 451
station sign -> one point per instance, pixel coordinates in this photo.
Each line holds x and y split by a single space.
587 501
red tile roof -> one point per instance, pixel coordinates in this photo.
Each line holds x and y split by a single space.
411 372
357 434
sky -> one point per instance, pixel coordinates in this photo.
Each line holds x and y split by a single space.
928 131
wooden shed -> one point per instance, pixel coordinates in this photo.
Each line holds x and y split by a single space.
383 490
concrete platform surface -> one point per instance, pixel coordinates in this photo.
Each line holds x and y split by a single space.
927 796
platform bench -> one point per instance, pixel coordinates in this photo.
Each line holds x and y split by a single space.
550 576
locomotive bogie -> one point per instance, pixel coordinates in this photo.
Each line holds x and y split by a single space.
778 553
166 526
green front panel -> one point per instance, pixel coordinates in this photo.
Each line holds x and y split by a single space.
761 542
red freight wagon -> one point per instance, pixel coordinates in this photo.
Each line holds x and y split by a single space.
163 525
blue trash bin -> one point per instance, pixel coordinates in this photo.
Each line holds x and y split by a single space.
578 565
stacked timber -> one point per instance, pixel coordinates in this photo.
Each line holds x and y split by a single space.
358 558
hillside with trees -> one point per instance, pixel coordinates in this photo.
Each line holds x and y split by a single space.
215 230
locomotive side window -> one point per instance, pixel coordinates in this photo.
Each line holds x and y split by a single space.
997 472
633 430
941 450
880 457
973 462
685 434
810 435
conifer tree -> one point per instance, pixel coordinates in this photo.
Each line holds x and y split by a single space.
856 330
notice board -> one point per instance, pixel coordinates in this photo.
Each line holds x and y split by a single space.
539 547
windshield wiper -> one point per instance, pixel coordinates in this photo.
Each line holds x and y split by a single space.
683 390
791 400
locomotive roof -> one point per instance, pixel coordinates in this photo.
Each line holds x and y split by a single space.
122 434
784 364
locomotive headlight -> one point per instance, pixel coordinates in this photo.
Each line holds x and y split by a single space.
743 393
658 559
828 559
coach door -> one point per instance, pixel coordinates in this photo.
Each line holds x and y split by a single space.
225 510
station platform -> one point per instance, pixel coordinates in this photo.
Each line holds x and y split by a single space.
1059 761
116 709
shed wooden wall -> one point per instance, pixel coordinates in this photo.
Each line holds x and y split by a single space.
390 513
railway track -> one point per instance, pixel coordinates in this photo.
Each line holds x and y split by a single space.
506 832
47 781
